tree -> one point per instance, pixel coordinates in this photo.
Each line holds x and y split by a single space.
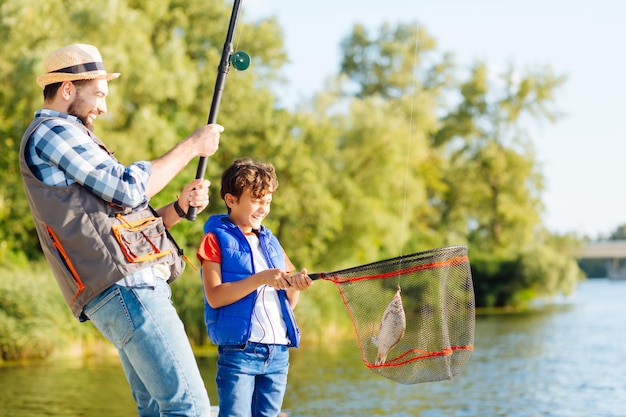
619 233
481 180
488 144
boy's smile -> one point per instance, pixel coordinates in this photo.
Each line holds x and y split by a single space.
248 212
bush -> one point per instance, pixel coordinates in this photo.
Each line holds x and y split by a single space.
515 281
34 320
188 298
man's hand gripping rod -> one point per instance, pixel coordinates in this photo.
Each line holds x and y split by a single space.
240 61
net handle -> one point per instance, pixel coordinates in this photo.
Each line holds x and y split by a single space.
316 276
424 254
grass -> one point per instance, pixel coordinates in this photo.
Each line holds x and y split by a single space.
34 320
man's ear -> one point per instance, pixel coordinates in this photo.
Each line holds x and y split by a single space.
67 89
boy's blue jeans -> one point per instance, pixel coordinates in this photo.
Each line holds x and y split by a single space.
251 379
154 349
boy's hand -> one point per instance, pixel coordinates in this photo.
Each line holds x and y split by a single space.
300 280
275 278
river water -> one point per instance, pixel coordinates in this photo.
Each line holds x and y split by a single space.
563 360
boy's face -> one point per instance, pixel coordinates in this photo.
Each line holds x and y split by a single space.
248 212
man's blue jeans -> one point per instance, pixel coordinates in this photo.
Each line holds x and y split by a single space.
154 349
251 379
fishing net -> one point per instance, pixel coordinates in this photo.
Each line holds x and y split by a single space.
413 315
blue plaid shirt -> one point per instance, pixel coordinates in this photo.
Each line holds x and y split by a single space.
61 153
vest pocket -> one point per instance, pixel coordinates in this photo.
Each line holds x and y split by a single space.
66 262
141 240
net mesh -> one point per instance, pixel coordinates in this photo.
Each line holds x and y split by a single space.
428 293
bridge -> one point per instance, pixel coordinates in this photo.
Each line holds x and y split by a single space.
612 251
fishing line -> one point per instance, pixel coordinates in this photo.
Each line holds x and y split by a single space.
239 35
403 224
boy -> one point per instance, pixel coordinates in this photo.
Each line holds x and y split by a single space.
249 294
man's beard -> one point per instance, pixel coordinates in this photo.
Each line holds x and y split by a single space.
74 110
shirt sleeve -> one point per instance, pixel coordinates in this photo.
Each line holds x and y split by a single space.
209 249
85 162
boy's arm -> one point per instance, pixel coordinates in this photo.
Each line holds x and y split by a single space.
293 296
219 294
299 281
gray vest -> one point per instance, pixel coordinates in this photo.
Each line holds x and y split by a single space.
89 243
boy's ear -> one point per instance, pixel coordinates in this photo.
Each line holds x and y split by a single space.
230 200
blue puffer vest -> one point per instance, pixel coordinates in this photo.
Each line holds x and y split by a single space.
231 324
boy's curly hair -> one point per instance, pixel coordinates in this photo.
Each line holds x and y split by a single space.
245 173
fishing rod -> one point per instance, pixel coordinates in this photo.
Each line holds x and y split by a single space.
240 61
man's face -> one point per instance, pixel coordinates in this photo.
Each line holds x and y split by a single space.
89 101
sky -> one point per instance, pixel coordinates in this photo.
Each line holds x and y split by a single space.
582 155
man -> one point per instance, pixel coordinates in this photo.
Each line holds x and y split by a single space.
110 252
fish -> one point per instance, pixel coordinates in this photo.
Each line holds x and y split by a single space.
391 330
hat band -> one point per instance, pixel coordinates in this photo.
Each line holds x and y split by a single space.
86 67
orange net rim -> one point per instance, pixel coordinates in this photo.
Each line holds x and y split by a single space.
411 258
401 360
334 276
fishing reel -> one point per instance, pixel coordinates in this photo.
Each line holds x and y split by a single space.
240 60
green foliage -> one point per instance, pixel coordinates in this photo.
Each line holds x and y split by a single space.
385 65
537 272
34 320
494 184
619 233
188 299
404 151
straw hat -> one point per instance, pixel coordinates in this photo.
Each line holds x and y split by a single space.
74 62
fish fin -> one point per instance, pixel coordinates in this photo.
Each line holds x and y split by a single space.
375 341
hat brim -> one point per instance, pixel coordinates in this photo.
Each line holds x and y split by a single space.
57 77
